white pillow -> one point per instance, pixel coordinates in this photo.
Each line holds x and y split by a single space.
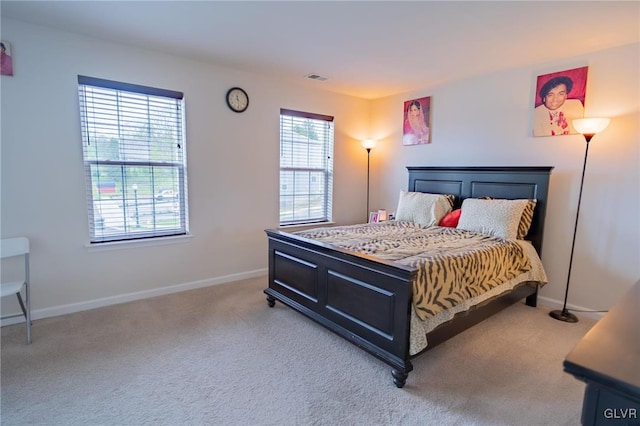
499 218
422 208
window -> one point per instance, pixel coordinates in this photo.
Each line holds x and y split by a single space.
306 167
134 160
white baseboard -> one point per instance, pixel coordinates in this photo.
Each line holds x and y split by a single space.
129 297
577 310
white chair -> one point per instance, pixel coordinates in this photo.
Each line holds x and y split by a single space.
12 247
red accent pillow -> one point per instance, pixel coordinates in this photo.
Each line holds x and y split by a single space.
451 219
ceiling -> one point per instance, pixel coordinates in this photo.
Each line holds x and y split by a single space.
368 49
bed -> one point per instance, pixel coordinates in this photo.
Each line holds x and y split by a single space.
369 300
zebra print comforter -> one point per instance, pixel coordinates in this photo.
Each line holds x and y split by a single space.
453 265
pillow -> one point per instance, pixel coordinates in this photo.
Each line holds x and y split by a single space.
526 219
451 219
499 218
422 208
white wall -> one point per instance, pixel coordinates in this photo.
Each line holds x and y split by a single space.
232 169
487 121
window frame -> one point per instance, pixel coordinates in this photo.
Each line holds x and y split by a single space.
326 169
176 167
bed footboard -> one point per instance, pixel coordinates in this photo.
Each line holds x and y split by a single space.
363 300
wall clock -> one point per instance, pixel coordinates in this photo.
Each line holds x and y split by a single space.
237 99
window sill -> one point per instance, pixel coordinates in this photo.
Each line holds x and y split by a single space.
288 228
149 242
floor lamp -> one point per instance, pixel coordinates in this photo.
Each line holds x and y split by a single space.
368 144
588 127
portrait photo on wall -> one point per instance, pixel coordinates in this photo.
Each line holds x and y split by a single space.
6 62
416 121
559 99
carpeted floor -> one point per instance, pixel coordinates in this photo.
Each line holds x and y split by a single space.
221 356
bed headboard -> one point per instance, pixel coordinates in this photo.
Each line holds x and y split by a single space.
496 182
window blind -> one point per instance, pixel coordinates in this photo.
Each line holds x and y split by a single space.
306 167
134 160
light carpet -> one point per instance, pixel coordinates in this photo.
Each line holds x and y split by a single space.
221 356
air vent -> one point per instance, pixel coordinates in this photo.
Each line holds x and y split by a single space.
315 77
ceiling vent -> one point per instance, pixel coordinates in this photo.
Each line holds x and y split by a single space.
316 77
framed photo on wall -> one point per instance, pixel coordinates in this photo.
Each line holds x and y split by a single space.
6 61
559 99
416 127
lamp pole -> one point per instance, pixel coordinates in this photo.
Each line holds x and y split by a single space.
135 197
368 144
564 314
588 127
368 155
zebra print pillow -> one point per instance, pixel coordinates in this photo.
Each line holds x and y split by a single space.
526 219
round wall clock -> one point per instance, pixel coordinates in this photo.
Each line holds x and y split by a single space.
237 99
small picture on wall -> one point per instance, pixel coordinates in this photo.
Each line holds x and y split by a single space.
373 217
559 99
416 121
6 61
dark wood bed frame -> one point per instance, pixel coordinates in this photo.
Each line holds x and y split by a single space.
368 300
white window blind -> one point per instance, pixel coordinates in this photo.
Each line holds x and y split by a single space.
306 167
134 160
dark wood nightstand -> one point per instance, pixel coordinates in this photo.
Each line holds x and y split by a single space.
607 359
